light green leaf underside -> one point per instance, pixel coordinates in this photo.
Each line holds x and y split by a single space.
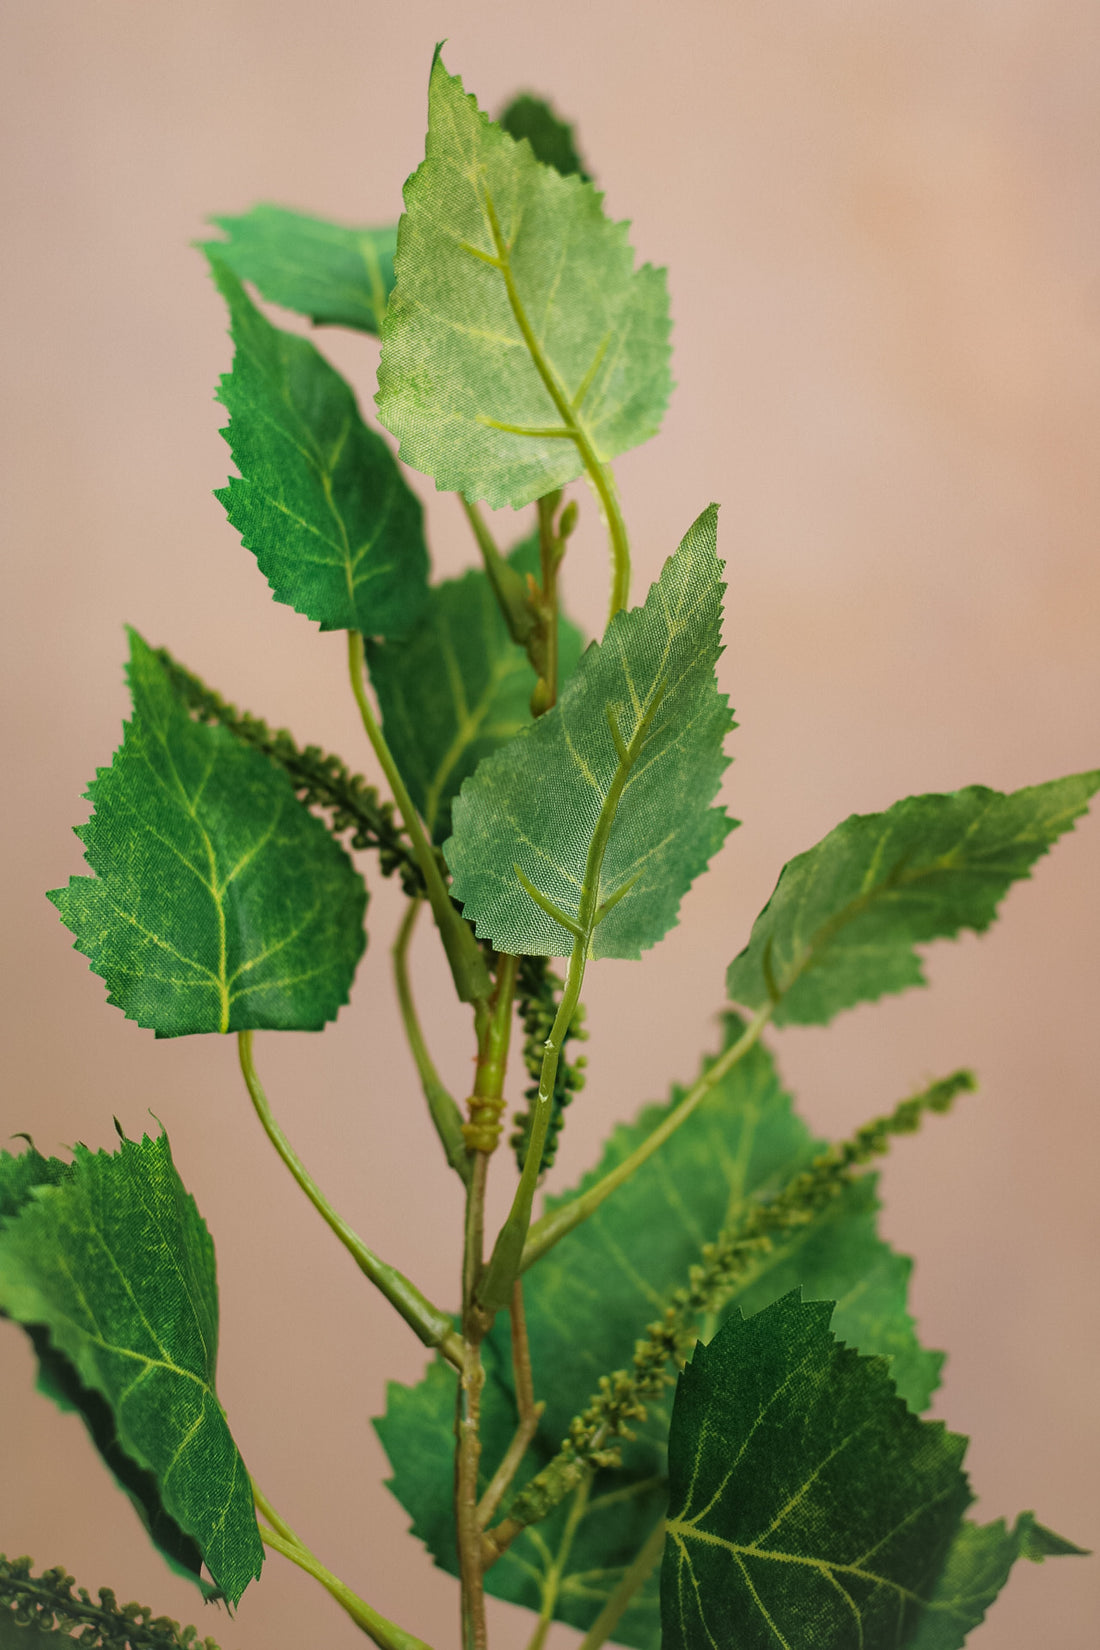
457 687
320 499
218 902
538 803
114 1265
807 1504
335 274
589 1299
458 377
551 138
842 923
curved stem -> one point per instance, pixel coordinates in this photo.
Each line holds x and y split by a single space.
471 976
553 1226
386 1634
441 1103
427 1321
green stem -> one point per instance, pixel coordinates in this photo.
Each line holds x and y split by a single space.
468 1418
386 1634
471 976
509 588
441 1103
427 1321
598 473
632 1579
553 1226
494 1034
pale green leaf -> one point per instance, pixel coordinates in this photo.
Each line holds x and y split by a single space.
320 499
843 921
542 807
457 687
590 1297
517 312
218 903
111 1270
335 274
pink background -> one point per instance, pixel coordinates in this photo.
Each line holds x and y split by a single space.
880 223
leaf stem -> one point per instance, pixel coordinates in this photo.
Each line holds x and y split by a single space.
508 586
552 1584
468 1418
441 1103
471 976
633 1578
386 1634
427 1321
552 1227
599 474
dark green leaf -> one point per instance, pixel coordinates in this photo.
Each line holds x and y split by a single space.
539 804
842 923
551 139
111 1269
457 687
335 274
510 279
589 1299
320 499
807 1504
218 902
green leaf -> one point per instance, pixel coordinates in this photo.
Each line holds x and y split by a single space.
589 1299
978 1565
40 1609
520 344
457 687
320 499
625 764
111 1269
842 923
807 1504
551 139
218 902
335 274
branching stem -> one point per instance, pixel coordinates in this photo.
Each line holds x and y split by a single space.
433 1326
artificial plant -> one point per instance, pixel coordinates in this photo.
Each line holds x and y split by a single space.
683 1404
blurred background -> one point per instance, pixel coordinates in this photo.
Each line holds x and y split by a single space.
884 251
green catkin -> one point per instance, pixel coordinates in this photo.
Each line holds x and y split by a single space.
538 989
46 1605
622 1396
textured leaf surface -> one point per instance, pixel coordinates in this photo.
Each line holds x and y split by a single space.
807 1504
462 356
538 803
218 902
335 274
843 921
551 139
589 1299
114 1266
457 687
320 500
